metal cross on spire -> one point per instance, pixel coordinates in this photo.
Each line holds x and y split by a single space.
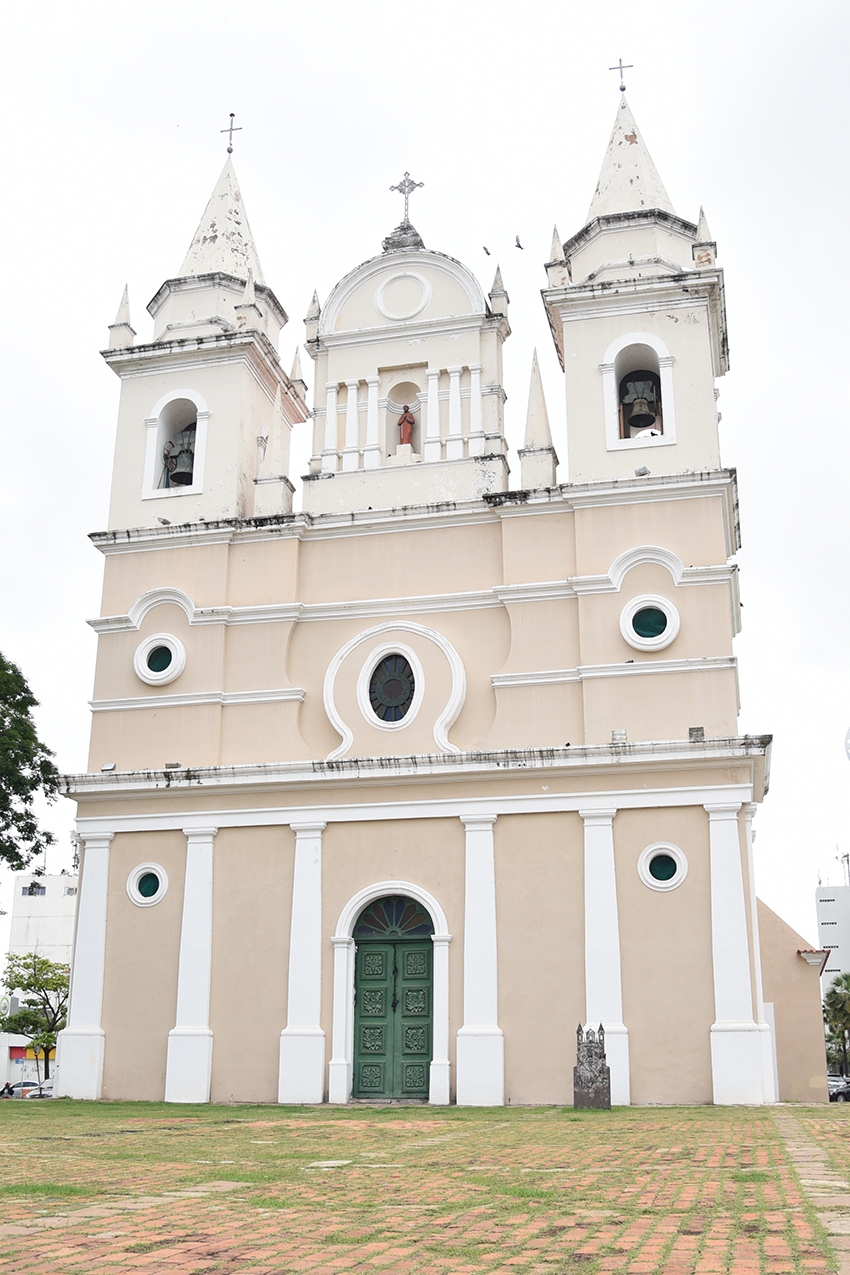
404 187
619 67
230 131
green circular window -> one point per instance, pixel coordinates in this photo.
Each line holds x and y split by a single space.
663 867
391 688
159 659
148 885
649 622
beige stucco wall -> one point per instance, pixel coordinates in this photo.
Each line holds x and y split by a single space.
793 986
140 986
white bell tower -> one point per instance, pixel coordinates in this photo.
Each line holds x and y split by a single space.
637 311
206 410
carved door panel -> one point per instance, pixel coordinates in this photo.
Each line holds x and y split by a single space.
392 1020
414 1019
374 1020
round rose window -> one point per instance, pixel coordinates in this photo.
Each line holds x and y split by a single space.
391 688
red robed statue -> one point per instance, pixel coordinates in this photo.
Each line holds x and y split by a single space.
405 424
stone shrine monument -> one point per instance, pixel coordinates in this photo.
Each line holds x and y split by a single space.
591 1074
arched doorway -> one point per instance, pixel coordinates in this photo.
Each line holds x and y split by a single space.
393 999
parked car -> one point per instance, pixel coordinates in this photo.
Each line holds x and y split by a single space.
44 1090
836 1082
841 1093
20 1089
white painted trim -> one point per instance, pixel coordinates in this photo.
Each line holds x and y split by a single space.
188 1068
133 884
480 1041
602 964
175 668
586 672
645 858
630 610
364 679
446 719
641 554
301 1076
281 695
80 1047
766 1026
341 1064
427 293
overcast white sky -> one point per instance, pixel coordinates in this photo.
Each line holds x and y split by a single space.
112 146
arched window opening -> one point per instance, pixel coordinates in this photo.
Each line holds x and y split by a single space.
178 424
639 393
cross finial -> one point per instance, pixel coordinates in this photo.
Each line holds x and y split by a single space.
619 67
230 131
404 187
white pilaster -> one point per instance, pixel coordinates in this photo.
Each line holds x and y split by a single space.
476 413
330 455
432 447
440 1076
372 450
340 1066
351 450
188 1067
768 1050
736 1046
79 1049
602 969
454 440
480 1042
302 1041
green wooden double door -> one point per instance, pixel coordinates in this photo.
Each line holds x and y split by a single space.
393 1019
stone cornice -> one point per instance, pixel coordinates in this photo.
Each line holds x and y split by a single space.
197 282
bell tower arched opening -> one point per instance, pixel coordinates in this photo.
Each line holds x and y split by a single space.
638 377
176 436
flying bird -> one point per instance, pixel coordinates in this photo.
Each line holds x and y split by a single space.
518 244
487 250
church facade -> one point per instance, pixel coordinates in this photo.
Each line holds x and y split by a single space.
387 795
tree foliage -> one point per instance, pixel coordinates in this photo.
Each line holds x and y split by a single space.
42 987
836 1013
26 769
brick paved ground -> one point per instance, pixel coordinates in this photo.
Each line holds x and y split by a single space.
264 1190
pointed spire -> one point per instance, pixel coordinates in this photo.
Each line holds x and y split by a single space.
704 249
556 252
248 296
315 309
296 376
498 286
537 431
629 180
499 299
703 232
223 241
538 457
121 334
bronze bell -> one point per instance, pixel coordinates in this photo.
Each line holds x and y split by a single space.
183 454
642 415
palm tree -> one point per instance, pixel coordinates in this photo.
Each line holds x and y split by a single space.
836 1012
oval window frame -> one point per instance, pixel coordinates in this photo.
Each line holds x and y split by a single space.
678 856
140 900
631 609
175 668
364 679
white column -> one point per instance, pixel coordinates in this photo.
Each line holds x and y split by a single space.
302 1041
330 455
476 413
611 404
454 440
79 1049
351 450
372 450
480 1042
668 403
188 1067
603 979
432 447
765 1033
440 1078
736 1061
340 1066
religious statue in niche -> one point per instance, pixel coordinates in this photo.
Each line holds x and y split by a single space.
405 426
591 1075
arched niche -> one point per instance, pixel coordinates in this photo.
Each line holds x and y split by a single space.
176 445
637 371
